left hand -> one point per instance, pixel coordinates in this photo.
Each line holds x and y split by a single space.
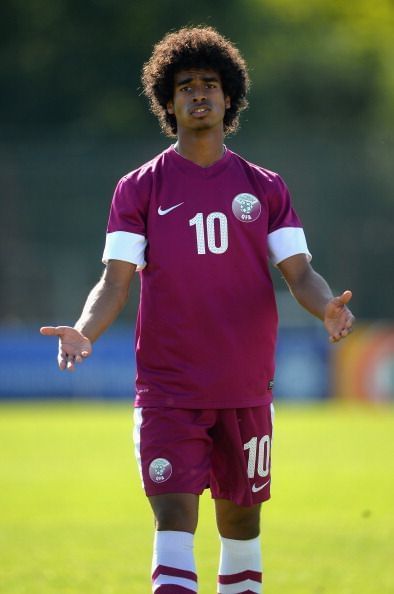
338 319
74 347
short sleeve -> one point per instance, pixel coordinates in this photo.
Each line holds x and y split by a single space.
286 236
126 232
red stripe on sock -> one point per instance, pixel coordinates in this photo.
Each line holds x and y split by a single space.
243 592
174 572
235 578
169 589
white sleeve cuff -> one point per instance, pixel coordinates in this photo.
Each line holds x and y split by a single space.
286 242
128 247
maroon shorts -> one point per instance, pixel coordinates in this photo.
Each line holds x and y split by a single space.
187 451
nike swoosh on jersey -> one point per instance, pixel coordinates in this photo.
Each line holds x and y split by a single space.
257 489
164 211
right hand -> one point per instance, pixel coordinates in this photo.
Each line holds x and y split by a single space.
74 347
338 319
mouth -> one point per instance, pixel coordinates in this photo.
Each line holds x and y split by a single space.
200 110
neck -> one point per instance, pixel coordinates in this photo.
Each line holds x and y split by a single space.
202 149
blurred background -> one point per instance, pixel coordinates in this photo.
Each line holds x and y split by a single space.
73 121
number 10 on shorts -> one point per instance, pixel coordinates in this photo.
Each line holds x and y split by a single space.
259 456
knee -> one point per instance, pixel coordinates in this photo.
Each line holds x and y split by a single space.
239 523
241 527
175 512
170 517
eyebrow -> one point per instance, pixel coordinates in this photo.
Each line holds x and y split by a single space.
189 79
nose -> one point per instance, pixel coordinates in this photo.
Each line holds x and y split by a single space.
199 94
199 98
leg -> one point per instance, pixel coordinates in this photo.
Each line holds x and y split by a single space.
237 522
240 565
175 511
240 482
173 567
173 452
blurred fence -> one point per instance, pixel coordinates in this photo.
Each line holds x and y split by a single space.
308 368
54 205
55 197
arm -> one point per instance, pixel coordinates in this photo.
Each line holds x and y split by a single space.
102 307
313 293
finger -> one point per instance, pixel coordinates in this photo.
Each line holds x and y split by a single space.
65 358
336 336
50 331
54 330
342 334
346 297
70 364
81 357
62 361
349 323
347 330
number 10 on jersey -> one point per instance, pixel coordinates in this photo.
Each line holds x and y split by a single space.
259 456
211 233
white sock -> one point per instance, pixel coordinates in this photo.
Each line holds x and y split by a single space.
240 566
173 566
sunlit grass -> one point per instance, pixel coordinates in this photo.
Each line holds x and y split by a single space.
74 520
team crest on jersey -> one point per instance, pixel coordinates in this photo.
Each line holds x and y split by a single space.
246 207
160 470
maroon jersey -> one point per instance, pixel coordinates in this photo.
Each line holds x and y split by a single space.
202 239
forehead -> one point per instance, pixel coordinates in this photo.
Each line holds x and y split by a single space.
190 74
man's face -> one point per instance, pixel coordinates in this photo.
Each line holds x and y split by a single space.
198 102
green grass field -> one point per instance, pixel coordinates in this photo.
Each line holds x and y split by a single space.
74 520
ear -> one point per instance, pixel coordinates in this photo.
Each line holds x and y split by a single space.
170 107
227 102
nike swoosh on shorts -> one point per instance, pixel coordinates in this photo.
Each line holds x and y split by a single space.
165 211
257 489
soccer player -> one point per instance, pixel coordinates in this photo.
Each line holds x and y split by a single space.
201 223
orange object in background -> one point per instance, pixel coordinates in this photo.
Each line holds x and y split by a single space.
363 364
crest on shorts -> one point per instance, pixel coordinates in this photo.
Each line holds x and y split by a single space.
160 470
246 207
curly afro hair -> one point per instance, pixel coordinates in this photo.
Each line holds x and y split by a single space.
195 47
